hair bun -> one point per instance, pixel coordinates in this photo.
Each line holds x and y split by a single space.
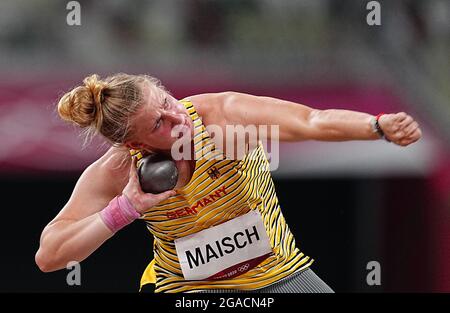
96 87
108 106
83 105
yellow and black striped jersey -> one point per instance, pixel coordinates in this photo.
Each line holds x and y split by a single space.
219 190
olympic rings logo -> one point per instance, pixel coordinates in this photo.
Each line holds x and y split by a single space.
244 267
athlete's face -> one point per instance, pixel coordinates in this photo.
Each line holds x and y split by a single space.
160 122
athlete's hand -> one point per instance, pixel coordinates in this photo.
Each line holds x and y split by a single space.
400 128
140 200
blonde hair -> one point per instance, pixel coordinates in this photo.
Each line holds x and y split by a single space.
106 106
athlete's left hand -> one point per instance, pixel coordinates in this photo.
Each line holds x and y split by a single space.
400 128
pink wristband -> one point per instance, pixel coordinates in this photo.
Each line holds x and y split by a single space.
119 213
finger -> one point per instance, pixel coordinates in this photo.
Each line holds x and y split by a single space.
164 195
411 129
416 135
406 122
414 139
400 116
419 133
398 136
404 142
133 169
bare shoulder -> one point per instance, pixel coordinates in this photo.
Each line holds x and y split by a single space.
114 165
115 159
210 106
107 175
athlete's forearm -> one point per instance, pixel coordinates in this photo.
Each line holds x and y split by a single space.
65 241
341 125
296 121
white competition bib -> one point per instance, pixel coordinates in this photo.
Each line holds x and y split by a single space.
226 250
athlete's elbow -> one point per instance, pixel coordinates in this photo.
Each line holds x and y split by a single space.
44 258
45 261
41 261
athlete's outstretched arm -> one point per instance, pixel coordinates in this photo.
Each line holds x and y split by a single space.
299 122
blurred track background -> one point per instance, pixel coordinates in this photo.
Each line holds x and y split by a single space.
347 203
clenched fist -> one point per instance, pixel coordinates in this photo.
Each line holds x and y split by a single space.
400 128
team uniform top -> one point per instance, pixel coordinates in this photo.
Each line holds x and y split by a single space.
219 191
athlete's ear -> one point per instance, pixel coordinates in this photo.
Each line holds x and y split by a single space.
133 145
